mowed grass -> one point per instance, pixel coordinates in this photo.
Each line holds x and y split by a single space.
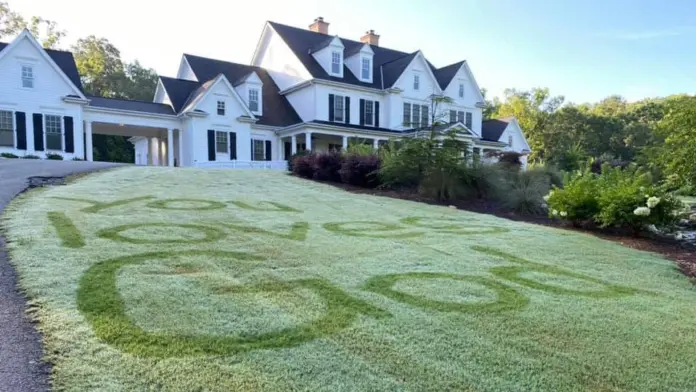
204 280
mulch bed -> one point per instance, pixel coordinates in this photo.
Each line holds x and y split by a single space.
682 254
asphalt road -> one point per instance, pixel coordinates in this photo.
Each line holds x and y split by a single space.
21 350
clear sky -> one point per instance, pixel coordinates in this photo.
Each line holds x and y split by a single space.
584 50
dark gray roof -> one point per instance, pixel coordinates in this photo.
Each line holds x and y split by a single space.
492 129
303 42
277 111
444 75
64 60
125 104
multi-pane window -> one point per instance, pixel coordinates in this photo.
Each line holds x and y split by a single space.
338 108
222 142
460 117
369 112
336 63
415 116
54 132
416 82
461 91
254 100
27 76
407 114
221 108
6 129
468 120
258 151
452 116
365 69
424 115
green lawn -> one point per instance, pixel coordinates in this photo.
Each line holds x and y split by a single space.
257 281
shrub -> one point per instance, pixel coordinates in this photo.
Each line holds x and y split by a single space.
523 192
327 165
54 157
553 175
77 159
303 165
598 163
360 170
30 156
577 201
510 159
8 155
295 155
403 163
482 181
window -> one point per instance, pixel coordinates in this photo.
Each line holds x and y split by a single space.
510 140
27 76
453 116
221 142
336 63
365 69
415 117
468 120
461 91
258 151
254 100
369 112
221 108
424 115
54 132
6 129
460 117
416 82
338 108
407 114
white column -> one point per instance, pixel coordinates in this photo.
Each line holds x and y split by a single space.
88 142
170 147
181 147
375 143
150 160
293 147
308 140
345 143
162 152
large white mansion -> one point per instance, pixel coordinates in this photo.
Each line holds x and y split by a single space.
304 89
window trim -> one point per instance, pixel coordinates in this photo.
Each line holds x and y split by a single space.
371 114
253 149
223 107
227 143
335 54
363 61
342 112
12 129
45 132
32 78
403 114
258 99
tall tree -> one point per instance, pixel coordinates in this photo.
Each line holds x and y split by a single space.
677 154
46 31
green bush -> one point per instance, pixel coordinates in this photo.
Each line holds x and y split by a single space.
523 192
403 163
8 155
31 156
482 181
54 157
77 159
577 201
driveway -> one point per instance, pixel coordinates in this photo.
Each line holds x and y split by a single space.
21 350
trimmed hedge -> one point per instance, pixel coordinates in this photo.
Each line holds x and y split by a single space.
360 170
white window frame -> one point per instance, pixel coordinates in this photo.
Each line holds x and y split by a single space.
28 75
369 115
416 82
415 115
222 135
12 128
461 90
45 132
365 72
339 110
406 114
253 153
221 105
336 61
257 101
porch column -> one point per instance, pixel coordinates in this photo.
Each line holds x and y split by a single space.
345 143
150 161
308 140
89 154
162 151
181 147
293 147
375 143
170 147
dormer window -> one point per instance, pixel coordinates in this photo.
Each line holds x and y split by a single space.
336 63
461 91
510 141
221 108
254 100
416 82
27 76
365 68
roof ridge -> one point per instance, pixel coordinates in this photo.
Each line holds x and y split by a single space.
223 61
450 65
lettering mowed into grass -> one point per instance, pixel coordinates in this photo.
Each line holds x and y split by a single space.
99 300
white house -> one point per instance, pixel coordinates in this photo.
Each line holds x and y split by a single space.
304 89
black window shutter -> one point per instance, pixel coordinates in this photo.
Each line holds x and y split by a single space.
347 107
362 112
38 132
376 114
233 145
331 107
21 121
268 150
211 145
68 134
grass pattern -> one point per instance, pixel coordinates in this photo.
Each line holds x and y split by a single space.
263 206
207 204
69 235
211 234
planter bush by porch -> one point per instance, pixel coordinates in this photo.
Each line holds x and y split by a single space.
8 155
303 165
31 156
54 157
327 165
360 170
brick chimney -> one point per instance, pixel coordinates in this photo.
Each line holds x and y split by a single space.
319 26
370 38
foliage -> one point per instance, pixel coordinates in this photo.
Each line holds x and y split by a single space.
508 159
12 23
360 147
523 191
54 156
553 175
293 156
31 156
360 170
403 162
8 155
577 201
303 165
483 181
327 166
77 159
677 130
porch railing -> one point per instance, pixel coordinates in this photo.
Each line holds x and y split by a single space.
267 165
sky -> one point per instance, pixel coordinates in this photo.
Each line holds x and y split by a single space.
583 50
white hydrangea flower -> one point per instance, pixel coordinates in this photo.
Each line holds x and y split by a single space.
653 201
547 197
564 214
554 212
642 211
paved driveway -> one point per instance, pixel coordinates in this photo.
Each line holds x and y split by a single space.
20 345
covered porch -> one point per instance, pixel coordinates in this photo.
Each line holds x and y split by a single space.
309 138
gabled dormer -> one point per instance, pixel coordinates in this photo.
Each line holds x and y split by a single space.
250 88
361 62
329 54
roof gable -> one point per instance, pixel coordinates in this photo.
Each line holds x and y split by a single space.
178 90
414 57
204 89
493 129
63 62
445 74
